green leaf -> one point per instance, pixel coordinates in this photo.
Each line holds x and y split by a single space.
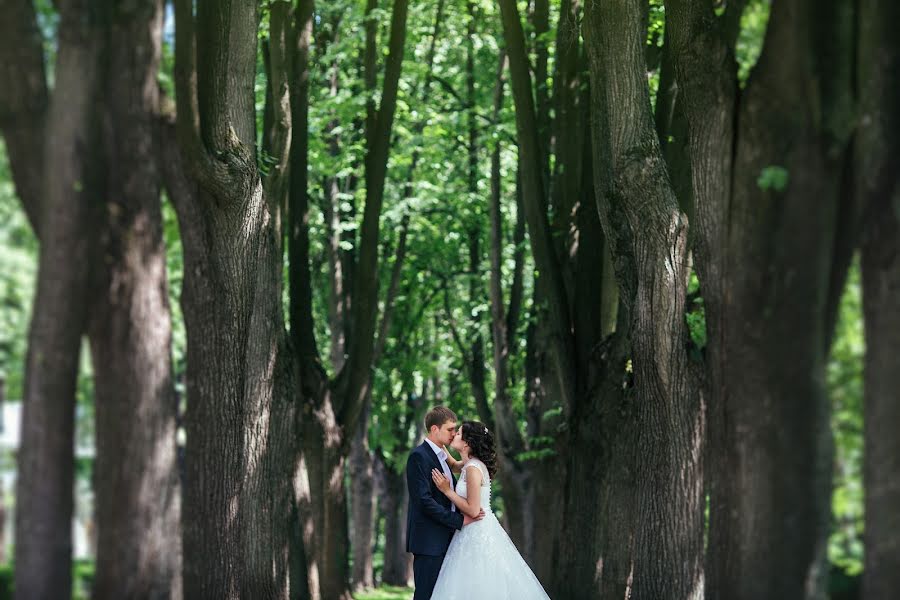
773 177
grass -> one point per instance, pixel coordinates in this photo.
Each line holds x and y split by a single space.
387 592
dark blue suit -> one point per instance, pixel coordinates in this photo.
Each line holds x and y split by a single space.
430 523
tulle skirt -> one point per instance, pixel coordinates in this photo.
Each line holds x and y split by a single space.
482 563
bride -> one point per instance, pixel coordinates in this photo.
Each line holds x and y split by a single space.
481 562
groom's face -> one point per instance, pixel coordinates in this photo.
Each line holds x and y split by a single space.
446 432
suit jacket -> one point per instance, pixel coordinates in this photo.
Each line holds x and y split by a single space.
430 523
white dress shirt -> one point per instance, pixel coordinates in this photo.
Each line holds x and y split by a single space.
442 458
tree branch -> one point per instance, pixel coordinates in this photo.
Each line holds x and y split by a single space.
365 292
24 99
279 135
536 206
300 278
201 164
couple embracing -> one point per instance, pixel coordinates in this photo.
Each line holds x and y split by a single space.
460 549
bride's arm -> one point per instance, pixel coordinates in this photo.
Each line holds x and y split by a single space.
469 506
455 465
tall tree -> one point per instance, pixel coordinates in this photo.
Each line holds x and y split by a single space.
877 164
61 208
130 331
332 406
606 379
741 255
652 479
241 449
129 324
767 165
362 459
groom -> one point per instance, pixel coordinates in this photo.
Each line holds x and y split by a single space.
431 519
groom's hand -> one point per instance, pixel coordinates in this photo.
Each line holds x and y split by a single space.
467 520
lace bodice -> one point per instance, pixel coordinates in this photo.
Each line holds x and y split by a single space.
462 487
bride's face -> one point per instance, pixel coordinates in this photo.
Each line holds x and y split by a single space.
458 443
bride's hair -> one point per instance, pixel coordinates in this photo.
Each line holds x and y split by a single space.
481 444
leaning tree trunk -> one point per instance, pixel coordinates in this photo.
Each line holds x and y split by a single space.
650 420
45 464
766 181
239 458
138 547
877 167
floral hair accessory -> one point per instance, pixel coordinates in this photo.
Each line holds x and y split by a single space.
485 430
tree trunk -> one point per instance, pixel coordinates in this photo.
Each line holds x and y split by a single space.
768 263
43 545
877 165
881 290
362 505
334 407
397 568
240 426
138 546
648 426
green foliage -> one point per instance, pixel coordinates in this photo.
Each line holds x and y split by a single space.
695 313
773 177
175 275
18 269
845 388
752 34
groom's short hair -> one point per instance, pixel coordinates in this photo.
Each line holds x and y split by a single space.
438 416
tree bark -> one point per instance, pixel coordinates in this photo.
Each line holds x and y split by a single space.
563 364
43 548
877 165
362 506
397 568
138 545
648 430
240 456
768 264
24 99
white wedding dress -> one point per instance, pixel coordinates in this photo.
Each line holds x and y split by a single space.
482 563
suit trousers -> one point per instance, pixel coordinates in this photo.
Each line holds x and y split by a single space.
425 572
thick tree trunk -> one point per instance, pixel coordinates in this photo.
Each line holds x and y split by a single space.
647 430
240 424
881 307
138 546
45 464
877 166
768 262
575 302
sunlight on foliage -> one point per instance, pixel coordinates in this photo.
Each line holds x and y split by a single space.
18 269
750 41
845 387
